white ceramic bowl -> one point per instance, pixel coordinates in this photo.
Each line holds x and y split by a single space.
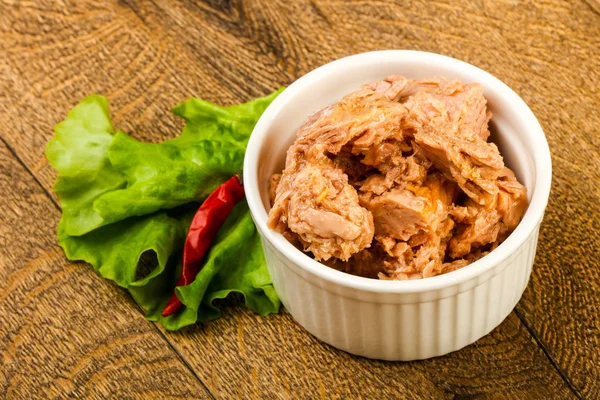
399 320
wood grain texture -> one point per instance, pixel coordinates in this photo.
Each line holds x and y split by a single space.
245 356
64 331
147 56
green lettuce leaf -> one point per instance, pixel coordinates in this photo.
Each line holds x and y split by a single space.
188 168
79 151
123 199
114 250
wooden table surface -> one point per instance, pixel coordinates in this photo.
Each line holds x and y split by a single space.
65 332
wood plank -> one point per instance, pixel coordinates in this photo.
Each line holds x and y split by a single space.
65 332
147 56
244 355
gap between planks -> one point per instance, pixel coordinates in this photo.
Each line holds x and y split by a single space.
541 345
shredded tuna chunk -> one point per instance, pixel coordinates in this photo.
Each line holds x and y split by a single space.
313 198
398 181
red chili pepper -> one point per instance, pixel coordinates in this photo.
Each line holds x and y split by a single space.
204 227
